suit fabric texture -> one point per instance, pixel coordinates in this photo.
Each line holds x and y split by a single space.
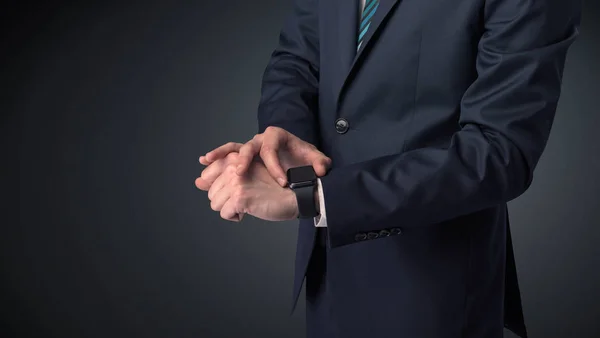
433 126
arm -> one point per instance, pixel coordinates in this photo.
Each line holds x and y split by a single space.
289 98
505 121
290 84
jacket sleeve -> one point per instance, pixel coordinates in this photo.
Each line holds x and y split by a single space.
289 93
505 121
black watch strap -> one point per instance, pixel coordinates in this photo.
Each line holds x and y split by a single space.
306 201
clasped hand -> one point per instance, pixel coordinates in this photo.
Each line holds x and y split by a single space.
250 178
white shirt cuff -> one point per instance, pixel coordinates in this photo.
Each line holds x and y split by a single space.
321 219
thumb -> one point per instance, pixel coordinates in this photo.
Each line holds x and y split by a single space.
321 165
318 160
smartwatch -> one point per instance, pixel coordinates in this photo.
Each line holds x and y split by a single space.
303 181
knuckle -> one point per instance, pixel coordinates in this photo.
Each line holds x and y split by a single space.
232 177
238 161
231 157
237 181
218 163
230 170
206 174
275 131
265 150
239 196
245 148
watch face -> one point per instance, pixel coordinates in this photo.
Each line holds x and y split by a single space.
301 174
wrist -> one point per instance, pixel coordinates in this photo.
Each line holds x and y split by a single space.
303 183
293 202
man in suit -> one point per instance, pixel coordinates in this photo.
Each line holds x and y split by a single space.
421 120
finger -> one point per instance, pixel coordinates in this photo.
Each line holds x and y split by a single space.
321 164
299 152
202 184
219 183
229 212
203 160
228 158
222 151
213 171
247 152
311 155
220 198
269 153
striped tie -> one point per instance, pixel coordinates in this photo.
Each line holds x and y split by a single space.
365 21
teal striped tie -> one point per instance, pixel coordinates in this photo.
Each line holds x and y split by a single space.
365 21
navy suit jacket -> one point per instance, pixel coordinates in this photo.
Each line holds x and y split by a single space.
448 106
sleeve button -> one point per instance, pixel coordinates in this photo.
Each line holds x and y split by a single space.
372 235
396 231
384 233
360 237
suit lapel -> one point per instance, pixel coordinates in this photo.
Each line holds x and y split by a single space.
348 23
347 12
384 8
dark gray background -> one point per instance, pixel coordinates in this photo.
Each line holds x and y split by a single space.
106 109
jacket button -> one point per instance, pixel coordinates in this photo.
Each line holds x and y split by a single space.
396 231
360 237
341 125
384 233
372 235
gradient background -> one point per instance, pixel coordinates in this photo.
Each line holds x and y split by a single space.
105 110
